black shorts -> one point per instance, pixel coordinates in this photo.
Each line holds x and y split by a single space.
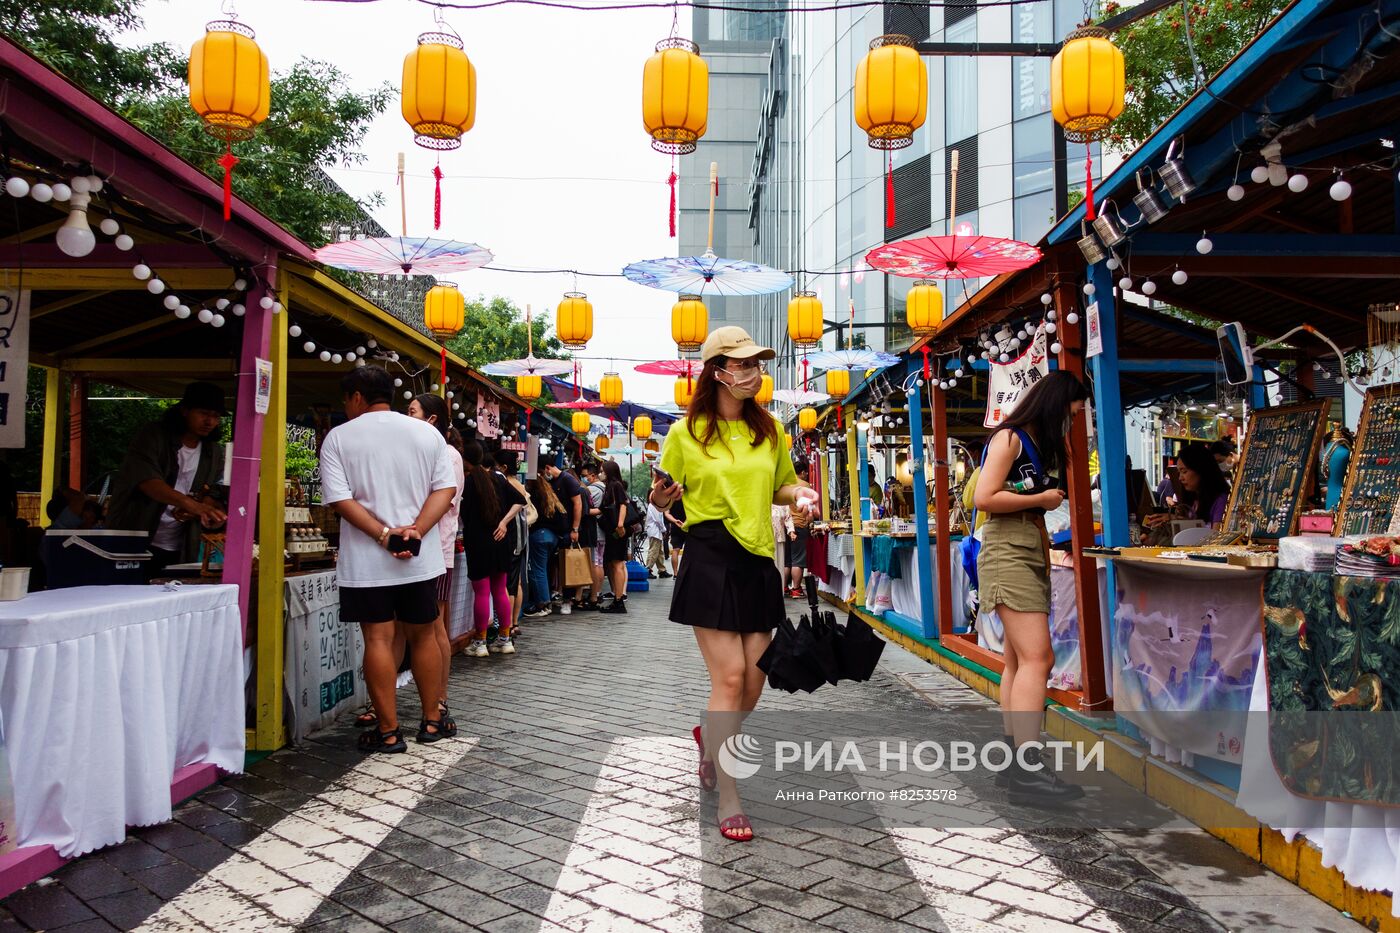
410 603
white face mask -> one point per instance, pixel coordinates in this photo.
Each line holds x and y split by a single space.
742 387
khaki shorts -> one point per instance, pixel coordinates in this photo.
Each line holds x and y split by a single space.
1013 567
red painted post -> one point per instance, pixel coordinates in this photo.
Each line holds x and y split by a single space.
77 414
942 544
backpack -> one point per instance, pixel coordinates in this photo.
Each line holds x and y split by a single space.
971 546
635 519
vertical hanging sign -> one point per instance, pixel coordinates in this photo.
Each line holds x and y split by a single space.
1093 335
14 365
1007 381
488 417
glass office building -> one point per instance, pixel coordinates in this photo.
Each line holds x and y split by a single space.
814 195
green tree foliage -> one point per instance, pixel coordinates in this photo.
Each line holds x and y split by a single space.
1160 72
495 331
316 119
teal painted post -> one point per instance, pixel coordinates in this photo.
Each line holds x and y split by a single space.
1108 411
927 584
863 467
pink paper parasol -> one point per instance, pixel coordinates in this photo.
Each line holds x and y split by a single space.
578 404
953 257
671 368
404 255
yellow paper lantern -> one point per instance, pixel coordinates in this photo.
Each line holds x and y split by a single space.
891 92
765 390
651 450
1087 84
787 441
838 382
438 95
228 78
684 391
923 308
641 427
675 96
690 322
600 443
581 423
444 310
807 419
574 320
610 390
529 387
805 319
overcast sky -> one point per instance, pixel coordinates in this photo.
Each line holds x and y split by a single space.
557 173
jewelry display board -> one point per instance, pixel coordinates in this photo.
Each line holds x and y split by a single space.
1275 470
1372 492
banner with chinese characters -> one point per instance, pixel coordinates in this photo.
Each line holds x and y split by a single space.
488 416
1008 380
14 365
325 672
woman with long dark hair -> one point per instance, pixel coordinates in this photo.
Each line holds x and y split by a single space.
433 409
612 524
729 461
1017 486
489 506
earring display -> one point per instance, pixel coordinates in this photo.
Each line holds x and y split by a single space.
1372 492
1275 471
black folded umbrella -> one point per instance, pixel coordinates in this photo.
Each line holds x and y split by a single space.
824 653
858 650
790 661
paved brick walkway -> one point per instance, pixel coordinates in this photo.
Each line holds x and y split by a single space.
570 803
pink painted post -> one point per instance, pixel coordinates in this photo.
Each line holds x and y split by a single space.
247 446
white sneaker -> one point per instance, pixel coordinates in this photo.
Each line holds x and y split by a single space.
503 646
476 648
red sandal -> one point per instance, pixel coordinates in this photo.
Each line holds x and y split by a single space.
707 768
731 828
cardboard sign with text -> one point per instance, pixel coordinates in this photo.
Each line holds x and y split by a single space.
1007 381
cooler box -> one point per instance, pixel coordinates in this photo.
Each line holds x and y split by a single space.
83 557
637 578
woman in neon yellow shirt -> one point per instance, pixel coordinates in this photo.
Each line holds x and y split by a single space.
728 460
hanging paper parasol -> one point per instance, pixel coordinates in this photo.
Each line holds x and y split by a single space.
578 404
800 397
529 366
626 451
671 368
709 274
851 359
957 256
405 255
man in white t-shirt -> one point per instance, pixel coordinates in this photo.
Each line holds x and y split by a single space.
390 479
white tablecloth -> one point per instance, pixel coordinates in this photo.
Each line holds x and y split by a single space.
105 692
1361 842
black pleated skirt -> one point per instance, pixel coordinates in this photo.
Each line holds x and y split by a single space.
722 586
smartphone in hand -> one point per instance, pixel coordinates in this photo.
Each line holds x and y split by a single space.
398 544
663 475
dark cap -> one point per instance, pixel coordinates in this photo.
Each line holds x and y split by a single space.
204 395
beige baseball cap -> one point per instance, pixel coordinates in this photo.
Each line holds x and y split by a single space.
733 342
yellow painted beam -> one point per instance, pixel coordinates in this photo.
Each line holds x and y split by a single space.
825 480
853 471
272 532
188 367
67 302
48 479
67 280
106 340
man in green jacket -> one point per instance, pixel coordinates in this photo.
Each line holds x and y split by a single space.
165 483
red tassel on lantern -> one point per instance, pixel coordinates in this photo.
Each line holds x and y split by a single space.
437 197
804 373
1088 182
927 375
889 190
671 181
444 370
228 160
839 409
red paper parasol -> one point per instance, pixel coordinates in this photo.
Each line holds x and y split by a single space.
671 368
953 257
578 404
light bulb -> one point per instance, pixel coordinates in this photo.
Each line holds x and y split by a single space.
350 357
1113 263
371 343
942 384
294 330
1056 347
155 286
360 351
1297 183
1125 284
1235 192
1015 343
436 387
1050 315
265 302
952 384
451 394
95 183
1072 317
408 395
1021 334
971 359
1049 327
1179 277
1045 298
1340 190
81 184
141 271
325 356
171 302
182 312
277 307
398 383
1204 245
61 192
456 406
205 315
958 372
16 187
337 358
1004 357
240 285
1259 174
221 304
986 355
109 226
218 320
309 347
123 242
238 310
75 238
1149 287
41 192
